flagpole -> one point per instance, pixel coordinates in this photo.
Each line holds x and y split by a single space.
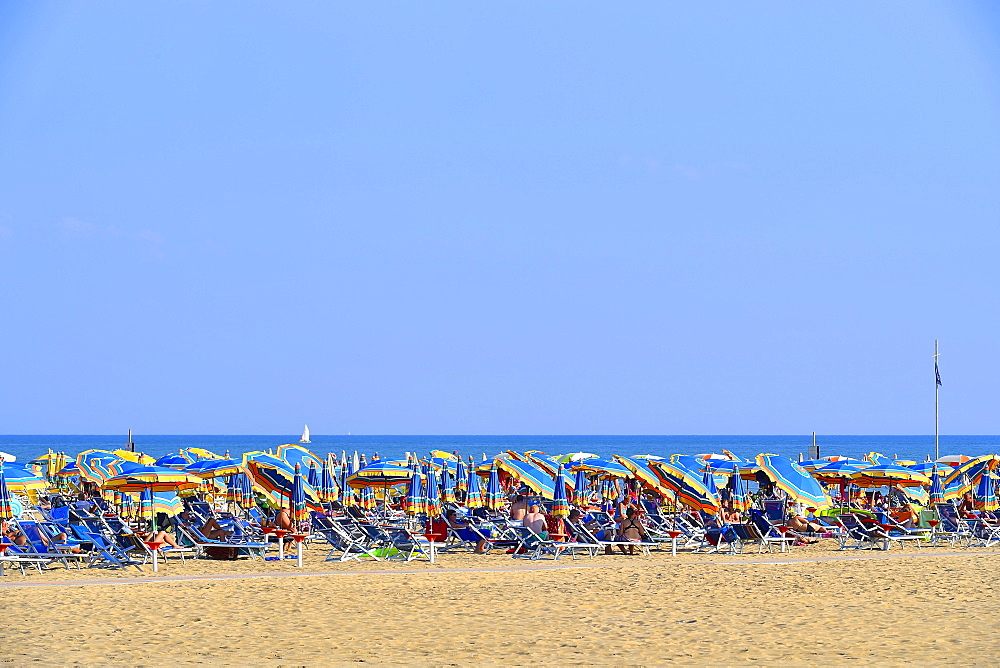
937 392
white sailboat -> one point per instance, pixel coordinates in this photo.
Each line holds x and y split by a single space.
305 435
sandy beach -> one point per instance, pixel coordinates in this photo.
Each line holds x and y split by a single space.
813 605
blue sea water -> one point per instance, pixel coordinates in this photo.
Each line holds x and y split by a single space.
907 447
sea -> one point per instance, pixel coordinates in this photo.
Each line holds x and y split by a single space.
916 448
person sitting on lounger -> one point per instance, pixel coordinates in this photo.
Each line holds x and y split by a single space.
518 509
164 537
13 533
465 533
727 514
535 521
629 529
211 529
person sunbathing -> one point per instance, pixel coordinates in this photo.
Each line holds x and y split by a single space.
13 533
211 529
164 537
629 529
518 509
535 521
465 532
727 514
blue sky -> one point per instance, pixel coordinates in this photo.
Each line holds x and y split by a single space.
549 218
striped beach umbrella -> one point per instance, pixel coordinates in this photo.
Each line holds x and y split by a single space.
537 480
560 506
240 490
832 472
380 474
686 485
986 494
738 494
415 502
581 488
461 476
297 497
877 458
888 475
974 468
93 465
602 468
494 492
641 472
474 494
957 488
6 504
292 454
214 468
173 461
328 489
314 478
936 491
433 494
794 481
447 487
21 479
277 482
366 498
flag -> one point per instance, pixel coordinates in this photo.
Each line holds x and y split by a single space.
937 374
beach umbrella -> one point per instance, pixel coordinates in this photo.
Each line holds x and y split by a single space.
461 476
953 460
877 458
543 463
641 471
447 487
71 469
794 481
214 468
838 471
21 479
575 457
93 465
957 488
380 474
603 468
537 480
200 453
297 497
839 458
433 495
736 491
560 506
581 488
313 477
936 488
494 492
328 489
888 475
986 494
923 467
156 502
686 485
6 503
709 481
974 468
474 493
812 464
153 479
293 453
239 490
366 498
415 502
173 461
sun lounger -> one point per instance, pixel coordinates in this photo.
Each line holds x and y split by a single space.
532 546
190 536
589 538
341 542
770 533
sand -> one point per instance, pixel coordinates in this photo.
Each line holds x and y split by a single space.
813 605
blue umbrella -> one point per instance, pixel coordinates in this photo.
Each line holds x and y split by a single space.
415 503
494 493
447 487
172 461
936 488
313 477
433 494
461 476
474 494
581 488
297 497
560 506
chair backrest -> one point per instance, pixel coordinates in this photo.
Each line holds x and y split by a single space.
776 511
746 532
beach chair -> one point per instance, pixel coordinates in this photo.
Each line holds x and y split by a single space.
42 544
983 532
747 534
589 538
952 525
23 557
770 533
864 537
341 542
190 536
532 546
103 552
